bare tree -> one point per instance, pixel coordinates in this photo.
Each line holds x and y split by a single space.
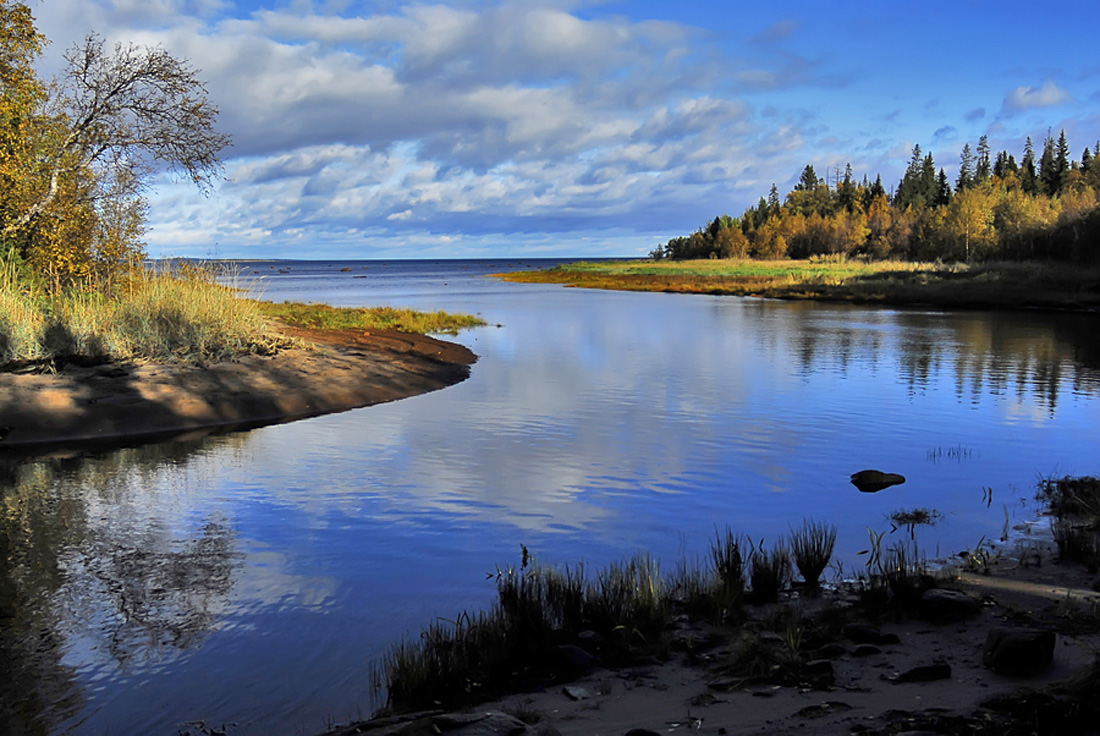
124 116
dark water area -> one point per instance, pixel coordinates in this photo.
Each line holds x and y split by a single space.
257 578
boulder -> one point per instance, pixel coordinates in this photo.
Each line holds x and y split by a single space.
948 606
873 481
1018 652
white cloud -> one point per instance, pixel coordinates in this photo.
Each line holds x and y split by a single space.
480 120
1026 98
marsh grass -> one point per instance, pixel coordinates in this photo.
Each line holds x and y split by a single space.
812 548
323 316
1010 285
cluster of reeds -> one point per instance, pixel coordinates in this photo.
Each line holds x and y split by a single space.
538 611
1074 507
897 575
628 606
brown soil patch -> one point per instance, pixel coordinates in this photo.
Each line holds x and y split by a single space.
118 403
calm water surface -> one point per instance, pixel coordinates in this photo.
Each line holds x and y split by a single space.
256 578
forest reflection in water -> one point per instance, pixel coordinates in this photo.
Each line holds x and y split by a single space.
88 577
1021 353
573 432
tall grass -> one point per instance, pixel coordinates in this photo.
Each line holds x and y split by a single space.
812 547
770 572
518 641
148 315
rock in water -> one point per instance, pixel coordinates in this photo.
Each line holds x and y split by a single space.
873 481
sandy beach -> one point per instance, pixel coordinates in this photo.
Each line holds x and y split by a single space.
328 371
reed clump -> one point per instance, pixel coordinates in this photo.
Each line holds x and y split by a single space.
1074 507
770 572
531 633
812 547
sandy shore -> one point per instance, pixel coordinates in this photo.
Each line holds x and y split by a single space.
869 694
115 403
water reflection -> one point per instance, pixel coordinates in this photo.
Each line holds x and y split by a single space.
94 573
148 586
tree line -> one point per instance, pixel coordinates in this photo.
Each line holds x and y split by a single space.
77 153
998 208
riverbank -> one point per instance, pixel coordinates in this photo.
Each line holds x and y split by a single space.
892 283
318 372
829 664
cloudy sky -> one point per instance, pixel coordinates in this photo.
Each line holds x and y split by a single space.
560 128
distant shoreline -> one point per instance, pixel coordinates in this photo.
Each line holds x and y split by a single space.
1011 286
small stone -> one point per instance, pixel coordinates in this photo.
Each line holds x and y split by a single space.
818 667
573 657
948 606
867 634
926 673
829 651
824 709
576 693
865 650
1018 652
591 641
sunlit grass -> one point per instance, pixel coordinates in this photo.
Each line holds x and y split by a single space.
183 313
325 317
149 315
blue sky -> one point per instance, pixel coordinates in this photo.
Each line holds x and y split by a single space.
477 129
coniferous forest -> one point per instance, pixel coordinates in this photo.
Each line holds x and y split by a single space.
1044 206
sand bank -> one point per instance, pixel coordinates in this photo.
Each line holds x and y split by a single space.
121 402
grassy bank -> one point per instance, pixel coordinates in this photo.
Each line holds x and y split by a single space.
189 315
994 285
146 316
324 317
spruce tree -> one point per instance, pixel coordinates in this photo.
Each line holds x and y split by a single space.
943 190
1029 180
982 168
1061 163
966 169
1048 173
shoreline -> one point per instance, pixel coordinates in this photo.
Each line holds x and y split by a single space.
903 285
867 691
101 406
